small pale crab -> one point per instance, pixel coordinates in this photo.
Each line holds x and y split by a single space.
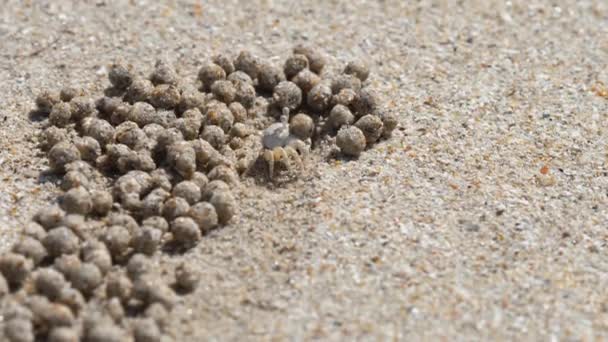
280 146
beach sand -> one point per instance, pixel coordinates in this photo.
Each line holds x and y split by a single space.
483 217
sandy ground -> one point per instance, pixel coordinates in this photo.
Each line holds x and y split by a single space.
484 217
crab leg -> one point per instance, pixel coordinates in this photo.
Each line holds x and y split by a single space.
281 156
269 158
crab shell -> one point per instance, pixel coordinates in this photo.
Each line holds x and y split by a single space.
280 146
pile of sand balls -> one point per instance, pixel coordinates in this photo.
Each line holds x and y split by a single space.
150 165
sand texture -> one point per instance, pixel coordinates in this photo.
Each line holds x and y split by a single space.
484 217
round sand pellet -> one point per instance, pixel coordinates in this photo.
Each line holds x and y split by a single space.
138 265
101 202
68 93
113 307
51 136
119 285
389 122
15 268
225 205
86 278
371 126
19 330
152 204
224 173
63 334
345 81
186 277
340 116
146 330
49 314
187 190
122 113
61 154
77 223
238 77
46 100
139 90
60 115
182 157
142 113
61 240
150 290
306 80
161 179
351 141
72 298
77 200
175 207
212 187
239 113
31 248
345 97
218 114
106 332
185 231
67 264
165 96
158 313
209 73
74 179
269 76
123 219
34 230
247 63
95 252
224 91
294 64
204 214
358 68
88 147
245 94
50 216
287 95
316 58
100 130
157 222
225 62
120 75
107 105
163 73
319 97
82 107
147 240
366 102
50 283
117 239
191 98
301 125
214 135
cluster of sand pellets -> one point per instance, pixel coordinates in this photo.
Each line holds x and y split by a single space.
148 167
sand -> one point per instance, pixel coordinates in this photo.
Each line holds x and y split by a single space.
484 217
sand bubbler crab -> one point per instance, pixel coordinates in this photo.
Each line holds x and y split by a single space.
280 146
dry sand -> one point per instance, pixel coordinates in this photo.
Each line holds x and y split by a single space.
484 217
